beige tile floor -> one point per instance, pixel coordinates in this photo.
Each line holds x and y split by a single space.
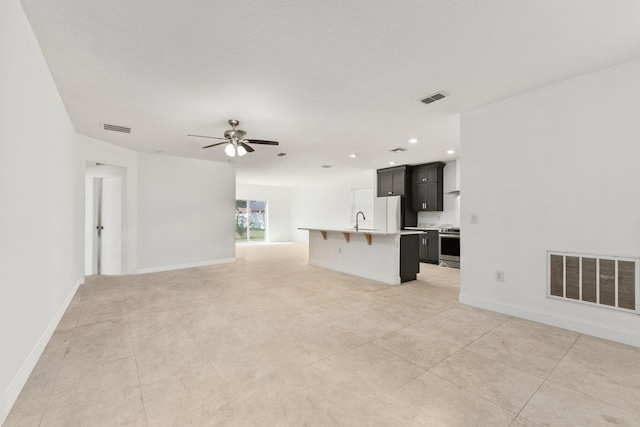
272 341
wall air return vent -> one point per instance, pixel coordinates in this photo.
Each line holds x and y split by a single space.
433 98
116 128
605 281
398 150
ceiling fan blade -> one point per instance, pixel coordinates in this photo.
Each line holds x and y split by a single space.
246 147
205 136
213 145
261 141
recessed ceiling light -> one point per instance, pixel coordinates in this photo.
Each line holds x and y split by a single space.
392 163
451 151
413 140
353 156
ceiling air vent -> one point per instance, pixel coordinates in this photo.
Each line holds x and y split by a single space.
433 98
397 150
116 128
281 154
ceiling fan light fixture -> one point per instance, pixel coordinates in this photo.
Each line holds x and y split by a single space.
234 141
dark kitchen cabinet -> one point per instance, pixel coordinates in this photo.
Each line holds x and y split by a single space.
426 189
409 260
426 197
425 173
429 247
395 181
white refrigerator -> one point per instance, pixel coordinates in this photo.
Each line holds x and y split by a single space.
387 214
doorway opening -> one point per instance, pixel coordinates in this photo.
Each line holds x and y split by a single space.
251 221
103 219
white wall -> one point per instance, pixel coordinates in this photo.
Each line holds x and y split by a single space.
186 211
552 169
326 205
278 208
38 272
96 151
451 202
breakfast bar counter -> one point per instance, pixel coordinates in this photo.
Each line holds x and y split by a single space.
391 258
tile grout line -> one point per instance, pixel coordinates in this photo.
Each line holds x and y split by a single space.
64 357
580 391
546 378
464 388
135 358
515 415
75 329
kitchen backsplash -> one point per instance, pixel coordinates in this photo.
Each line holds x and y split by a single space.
450 214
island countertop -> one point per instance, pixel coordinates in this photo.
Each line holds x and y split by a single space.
362 231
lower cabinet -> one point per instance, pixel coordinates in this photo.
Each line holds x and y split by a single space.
429 247
409 261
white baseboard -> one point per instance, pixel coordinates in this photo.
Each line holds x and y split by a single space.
13 391
389 280
189 265
624 336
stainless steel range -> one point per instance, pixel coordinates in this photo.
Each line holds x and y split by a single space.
449 239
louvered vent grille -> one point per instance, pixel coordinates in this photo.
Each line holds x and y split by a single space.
432 98
605 281
116 128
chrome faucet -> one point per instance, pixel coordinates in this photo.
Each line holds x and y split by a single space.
363 218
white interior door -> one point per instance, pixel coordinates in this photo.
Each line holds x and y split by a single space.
111 223
104 219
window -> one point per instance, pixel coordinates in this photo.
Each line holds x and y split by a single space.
251 221
362 200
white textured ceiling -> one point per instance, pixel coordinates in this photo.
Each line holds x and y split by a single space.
325 78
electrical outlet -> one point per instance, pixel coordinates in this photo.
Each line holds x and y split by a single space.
474 218
500 276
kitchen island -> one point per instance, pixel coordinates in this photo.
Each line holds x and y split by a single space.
391 258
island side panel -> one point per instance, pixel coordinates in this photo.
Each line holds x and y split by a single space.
379 261
409 257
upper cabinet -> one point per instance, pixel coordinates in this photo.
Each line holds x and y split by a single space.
427 187
426 173
395 181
